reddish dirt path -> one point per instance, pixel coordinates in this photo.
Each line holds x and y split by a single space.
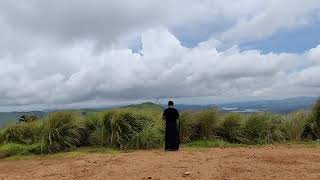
272 162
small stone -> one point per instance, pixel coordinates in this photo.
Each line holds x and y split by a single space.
149 177
187 173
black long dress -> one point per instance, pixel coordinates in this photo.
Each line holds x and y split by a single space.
172 140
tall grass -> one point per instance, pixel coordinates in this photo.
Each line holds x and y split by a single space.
121 126
262 128
59 132
92 131
149 137
2 138
316 118
187 126
294 125
206 123
232 128
316 112
142 128
25 133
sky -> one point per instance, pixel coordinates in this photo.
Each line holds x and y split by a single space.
76 53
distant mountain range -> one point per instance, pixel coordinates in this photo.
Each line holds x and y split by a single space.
277 106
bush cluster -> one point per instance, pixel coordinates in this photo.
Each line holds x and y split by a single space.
253 128
135 128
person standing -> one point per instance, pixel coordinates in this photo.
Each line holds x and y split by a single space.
171 116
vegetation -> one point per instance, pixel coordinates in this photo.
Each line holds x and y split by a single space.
316 119
24 133
210 143
206 123
7 150
232 128
59 132
264 128
141 127
294 125
187 129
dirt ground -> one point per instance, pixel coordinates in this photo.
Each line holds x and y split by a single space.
271 162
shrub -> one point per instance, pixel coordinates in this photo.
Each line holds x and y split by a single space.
316 112
92 131
25 133
232 128
187 123
264 128
295 124
2 138
316 118
12 149
98 137
206 123
149 137
121 126
59 132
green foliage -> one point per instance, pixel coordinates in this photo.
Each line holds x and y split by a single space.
92 131
98 136
59 132
141 127
232 128
316 118
265 128
12 149
2 137
187 126
207 123
294 125
209 143
121 126
149 137
316 112
25 133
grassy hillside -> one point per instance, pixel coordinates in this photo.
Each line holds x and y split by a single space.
141 127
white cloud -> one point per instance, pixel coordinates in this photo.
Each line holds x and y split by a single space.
275 15
74 52
166 69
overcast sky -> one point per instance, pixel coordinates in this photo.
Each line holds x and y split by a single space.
78 53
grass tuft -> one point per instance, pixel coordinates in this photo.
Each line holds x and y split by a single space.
210 144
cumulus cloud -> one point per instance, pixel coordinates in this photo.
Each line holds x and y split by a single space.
162 69
275 15
77 51
105 22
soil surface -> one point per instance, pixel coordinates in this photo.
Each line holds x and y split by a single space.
271 162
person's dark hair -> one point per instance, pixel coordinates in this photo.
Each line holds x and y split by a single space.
170 103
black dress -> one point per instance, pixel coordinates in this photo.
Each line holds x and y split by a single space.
172 140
